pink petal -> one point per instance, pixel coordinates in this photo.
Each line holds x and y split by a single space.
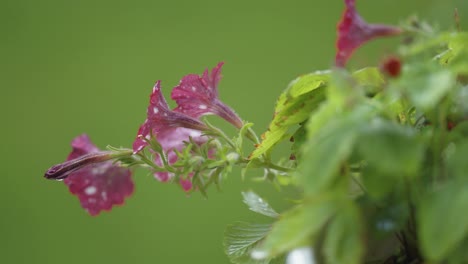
81 145
198 95
98 186
186 184
161 119
353 32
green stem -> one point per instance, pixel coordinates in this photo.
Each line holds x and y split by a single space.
269 165
438 141
252 136
121 153
220 133
149 162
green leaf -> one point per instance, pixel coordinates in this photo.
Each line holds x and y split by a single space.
457 53
442 220
331 141
344 239
308 82
426 84
258 205
299 138
390 148
371 79
457 165
296 227
239 240
293 107
460 254
377 184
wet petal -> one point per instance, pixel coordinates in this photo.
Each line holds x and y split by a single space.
160 119
198 95
81 145
98 186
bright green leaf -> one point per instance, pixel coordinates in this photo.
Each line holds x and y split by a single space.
258 205
442 220
306 83
457 53
293 107
371 79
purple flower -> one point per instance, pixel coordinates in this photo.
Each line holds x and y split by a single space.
353 32
198 95
98 183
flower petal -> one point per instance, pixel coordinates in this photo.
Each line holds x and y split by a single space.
186 184
160 119
353 32
81 145
98 186
198 95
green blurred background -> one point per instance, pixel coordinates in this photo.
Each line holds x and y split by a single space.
69 67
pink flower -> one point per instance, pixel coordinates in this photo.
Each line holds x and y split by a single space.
161 120
99 184
171 129
353 32
198 95
195 96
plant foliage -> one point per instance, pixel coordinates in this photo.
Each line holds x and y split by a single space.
381 159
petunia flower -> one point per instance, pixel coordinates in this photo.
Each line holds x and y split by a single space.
353 32
98 183
171 129
161 120
198 95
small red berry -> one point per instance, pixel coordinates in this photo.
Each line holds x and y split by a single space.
391 66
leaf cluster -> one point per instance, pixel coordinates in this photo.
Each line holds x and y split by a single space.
381 162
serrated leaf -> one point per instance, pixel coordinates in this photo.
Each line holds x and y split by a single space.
442 221
344 239
258 205
239 240
293 107
296 227
308 82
